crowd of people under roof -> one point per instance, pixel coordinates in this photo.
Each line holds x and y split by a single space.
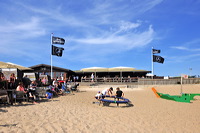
28 87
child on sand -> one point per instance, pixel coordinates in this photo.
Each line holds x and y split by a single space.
98 95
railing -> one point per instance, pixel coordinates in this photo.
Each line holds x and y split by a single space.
109 80
168 81
143 81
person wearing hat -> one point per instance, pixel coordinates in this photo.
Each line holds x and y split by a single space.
98 95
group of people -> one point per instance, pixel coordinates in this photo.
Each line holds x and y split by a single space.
55 89
61 88
29 88
102 94
30 91
11 81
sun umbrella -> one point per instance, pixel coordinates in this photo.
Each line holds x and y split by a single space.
121 69
94 69
12 65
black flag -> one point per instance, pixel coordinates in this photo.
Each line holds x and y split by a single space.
158 59
155 51
58 40
57 51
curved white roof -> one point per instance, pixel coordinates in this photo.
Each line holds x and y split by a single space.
121 69
92 68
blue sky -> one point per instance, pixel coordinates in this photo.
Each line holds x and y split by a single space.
103 33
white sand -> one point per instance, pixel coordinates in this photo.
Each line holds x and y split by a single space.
76 113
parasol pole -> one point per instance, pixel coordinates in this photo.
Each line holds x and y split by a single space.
95 76
121 74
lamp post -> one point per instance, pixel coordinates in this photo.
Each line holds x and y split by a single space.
190 71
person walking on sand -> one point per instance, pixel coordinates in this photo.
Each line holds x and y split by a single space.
92 77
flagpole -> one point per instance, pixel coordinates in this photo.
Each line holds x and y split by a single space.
152 67
181 84
51 57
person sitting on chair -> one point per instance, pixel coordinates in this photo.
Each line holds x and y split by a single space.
49 94
20 87
32 91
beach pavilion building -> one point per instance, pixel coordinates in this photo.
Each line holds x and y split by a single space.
115 74
100 74
57 72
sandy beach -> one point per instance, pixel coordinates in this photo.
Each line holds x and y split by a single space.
77 114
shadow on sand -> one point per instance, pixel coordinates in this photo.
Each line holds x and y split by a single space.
107 104
1 110
8 125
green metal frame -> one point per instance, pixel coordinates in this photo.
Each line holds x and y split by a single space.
186 97
182 98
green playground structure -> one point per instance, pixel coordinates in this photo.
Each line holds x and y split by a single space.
186 97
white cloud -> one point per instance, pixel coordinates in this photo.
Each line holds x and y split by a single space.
184 58
101 27
189 46
180 47
107 44
187 52
125 26
109 12
23 30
